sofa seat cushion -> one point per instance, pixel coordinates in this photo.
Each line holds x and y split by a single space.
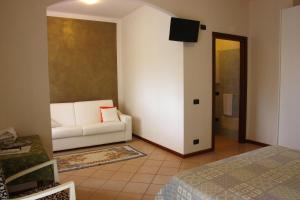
103 128
66 132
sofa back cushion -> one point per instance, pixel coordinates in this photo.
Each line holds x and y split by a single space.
63 113
87 112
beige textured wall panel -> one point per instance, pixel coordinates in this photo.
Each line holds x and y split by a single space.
82 60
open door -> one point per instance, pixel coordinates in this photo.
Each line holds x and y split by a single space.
229 87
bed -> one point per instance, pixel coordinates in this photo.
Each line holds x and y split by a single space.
270 173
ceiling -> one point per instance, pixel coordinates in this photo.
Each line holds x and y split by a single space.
105 8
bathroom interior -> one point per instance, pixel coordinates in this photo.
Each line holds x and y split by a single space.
227 88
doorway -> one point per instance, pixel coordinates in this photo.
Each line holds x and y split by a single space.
229 87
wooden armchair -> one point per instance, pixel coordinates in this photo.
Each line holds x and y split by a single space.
55 191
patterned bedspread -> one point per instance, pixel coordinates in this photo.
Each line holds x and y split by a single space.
270 173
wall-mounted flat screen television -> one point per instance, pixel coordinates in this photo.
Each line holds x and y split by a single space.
184 30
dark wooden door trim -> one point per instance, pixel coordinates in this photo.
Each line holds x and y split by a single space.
243 82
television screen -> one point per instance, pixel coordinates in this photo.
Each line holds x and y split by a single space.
184 30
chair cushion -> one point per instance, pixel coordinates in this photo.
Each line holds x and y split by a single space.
63 195
3 189
87 112
66 132
102 128
63 113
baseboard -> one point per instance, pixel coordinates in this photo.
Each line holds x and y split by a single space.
198 153
172 151
257 143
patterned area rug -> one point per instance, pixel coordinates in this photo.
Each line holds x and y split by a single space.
96 157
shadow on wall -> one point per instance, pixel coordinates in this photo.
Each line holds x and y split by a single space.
296 2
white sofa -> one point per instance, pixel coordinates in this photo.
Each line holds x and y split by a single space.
79 125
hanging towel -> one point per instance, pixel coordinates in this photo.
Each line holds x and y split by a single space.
227 104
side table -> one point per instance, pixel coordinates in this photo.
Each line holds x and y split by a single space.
12 164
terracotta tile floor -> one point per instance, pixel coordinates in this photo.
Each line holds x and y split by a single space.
143 177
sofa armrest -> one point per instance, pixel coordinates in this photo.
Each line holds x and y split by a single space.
128 125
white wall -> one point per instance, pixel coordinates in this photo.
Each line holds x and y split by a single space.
263 76
289 135
152 78
219 16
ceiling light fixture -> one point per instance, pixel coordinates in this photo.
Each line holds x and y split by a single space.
90 2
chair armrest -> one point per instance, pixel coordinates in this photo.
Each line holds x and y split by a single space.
128 125
70 186
35 168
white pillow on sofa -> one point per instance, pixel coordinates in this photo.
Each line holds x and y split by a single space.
109 114
55 124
